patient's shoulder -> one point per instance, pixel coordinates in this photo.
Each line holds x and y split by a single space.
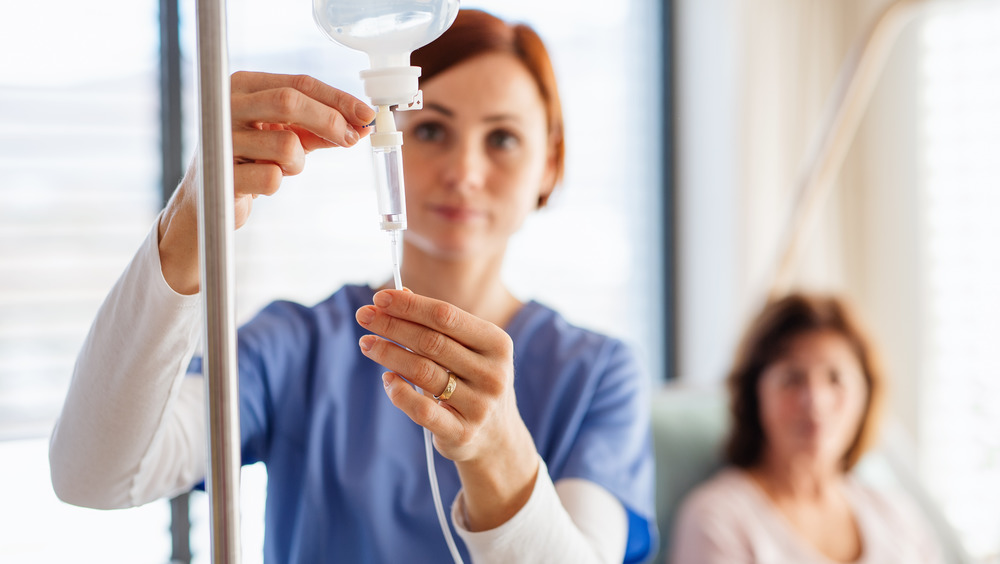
718 520
725 483
728 496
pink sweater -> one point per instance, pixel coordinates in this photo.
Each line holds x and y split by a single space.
729 520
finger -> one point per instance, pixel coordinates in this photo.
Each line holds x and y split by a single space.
470 331
439 418
423 343
354 110
288 106
310 141
257 178
422 371
281 147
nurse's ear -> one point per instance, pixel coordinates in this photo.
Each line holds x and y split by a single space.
549 180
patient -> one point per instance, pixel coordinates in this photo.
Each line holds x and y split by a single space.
805 395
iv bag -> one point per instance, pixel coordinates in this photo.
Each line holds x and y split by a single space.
387 30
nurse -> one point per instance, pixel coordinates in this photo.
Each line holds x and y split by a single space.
541 427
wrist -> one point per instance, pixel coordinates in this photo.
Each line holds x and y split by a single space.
498 485
177 243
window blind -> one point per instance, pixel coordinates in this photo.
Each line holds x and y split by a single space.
79 163
79 173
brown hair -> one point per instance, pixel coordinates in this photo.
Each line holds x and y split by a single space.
766 341
478 33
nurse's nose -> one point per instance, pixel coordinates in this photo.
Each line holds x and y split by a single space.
465 166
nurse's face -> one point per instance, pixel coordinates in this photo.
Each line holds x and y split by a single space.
812 399
476 158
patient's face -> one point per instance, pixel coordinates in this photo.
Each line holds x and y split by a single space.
812 399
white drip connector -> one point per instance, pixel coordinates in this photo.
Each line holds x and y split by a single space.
386 134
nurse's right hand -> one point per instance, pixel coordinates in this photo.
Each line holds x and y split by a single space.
277 120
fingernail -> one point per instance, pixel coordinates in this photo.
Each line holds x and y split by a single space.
351 136
387 379
365 316
367 342
364 112
382 299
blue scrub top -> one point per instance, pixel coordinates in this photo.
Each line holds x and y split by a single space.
347 478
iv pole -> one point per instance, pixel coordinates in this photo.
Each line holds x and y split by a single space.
216 225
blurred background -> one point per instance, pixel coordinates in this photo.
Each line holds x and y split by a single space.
690 126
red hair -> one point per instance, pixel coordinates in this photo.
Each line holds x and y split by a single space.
478 33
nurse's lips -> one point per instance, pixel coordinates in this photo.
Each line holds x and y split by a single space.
456 213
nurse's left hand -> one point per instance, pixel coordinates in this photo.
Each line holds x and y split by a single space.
479 426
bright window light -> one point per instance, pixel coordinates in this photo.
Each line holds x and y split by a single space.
961 256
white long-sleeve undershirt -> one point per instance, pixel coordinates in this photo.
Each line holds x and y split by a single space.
133 430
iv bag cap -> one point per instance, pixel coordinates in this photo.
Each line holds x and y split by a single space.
392 86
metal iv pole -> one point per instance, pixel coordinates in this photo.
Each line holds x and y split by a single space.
216 224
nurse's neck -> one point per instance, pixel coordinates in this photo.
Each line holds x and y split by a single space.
474 286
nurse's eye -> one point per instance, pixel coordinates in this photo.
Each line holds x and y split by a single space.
503 139
429 132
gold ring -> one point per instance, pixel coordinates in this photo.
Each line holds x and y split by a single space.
449 389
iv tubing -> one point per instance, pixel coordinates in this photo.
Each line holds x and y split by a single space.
429 450
438 506
389 211
394 241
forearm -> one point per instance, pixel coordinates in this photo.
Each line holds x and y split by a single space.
130 366
574 521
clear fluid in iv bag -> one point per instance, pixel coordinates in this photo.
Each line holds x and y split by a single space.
369 35
386 27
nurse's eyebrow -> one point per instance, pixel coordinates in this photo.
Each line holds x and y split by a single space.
449 113
439 108
502 117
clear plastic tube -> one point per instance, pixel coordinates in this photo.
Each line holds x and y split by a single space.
436 491
394 237
389 187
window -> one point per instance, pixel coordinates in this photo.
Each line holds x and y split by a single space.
961 137
79 155
79 158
